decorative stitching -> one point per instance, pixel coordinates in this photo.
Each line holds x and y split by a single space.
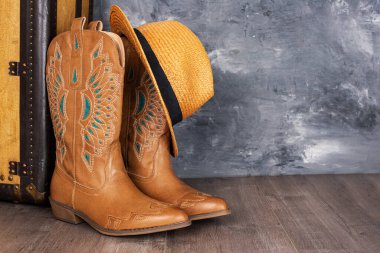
58 96
191 199
98 106
149 120
114 222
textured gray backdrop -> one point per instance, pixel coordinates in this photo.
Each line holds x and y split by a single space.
296 85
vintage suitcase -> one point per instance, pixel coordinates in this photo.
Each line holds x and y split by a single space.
27 145
67 10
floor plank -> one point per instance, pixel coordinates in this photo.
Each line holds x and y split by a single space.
325 213
251 228
291 205
332 221
341 202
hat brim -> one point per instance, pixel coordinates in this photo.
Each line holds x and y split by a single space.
120 25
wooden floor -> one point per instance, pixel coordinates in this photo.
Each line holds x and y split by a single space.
325 213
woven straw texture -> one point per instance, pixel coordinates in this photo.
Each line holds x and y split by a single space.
184 61
181 56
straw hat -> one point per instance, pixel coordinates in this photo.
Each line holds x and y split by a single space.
176 62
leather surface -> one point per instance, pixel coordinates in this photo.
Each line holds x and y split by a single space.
37 27
85 82
36 130
145 139
10 93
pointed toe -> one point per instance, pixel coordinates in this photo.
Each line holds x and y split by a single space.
179 216
202 206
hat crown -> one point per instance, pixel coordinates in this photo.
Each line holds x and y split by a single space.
184 60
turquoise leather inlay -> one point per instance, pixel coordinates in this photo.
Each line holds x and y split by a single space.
96 53
87 139
95 84
98 120
138 147
92 79
95 125
87 107
61 105
75 77
90 131
87 157
76 43
141 102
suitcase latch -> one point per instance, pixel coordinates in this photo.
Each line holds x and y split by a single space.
14 68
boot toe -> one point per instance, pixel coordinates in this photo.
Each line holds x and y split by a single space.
175 215
168 217
195 204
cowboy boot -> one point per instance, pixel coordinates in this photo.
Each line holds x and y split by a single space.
146 144
85 73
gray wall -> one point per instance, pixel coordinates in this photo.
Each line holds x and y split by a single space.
296 85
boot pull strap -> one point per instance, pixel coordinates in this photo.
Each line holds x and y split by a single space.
96 25
78 24
76 52
77 32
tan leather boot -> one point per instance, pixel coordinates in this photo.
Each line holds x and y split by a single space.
146 141
85 73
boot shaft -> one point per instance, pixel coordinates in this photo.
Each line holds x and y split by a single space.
144 128
85 71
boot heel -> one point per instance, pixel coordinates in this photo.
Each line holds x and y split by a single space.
64 214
